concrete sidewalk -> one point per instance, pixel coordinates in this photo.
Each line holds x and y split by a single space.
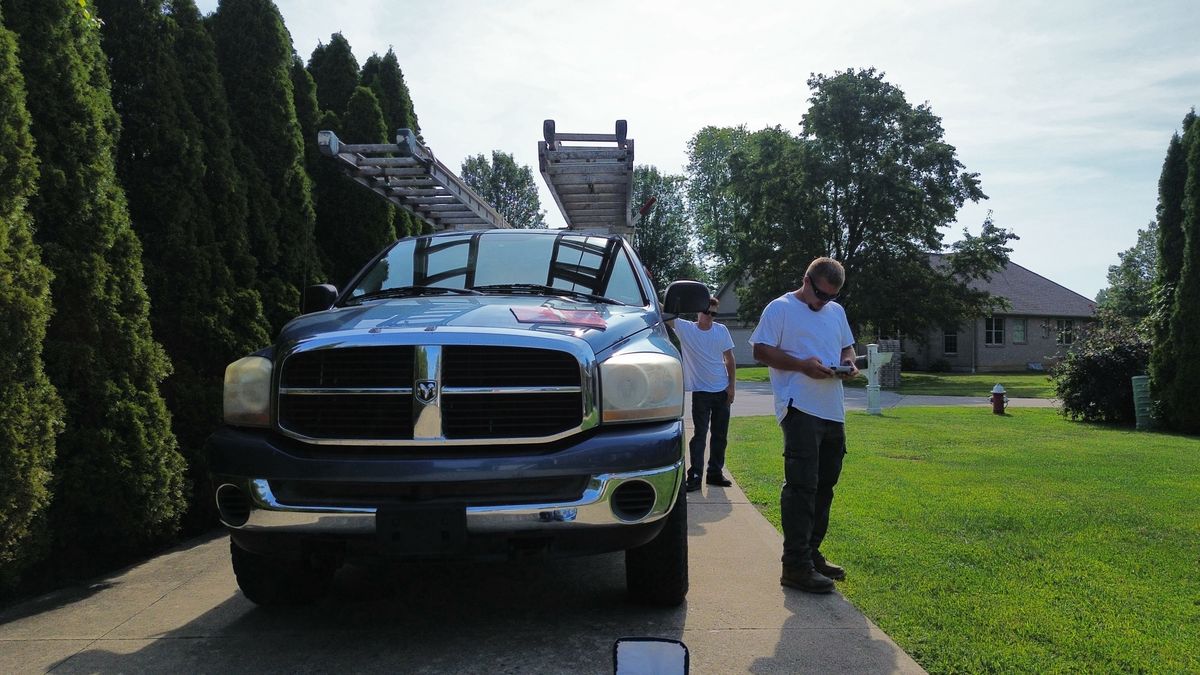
182 612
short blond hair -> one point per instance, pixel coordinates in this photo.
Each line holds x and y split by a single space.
828 270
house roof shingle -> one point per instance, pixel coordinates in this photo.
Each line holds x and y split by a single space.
1030 293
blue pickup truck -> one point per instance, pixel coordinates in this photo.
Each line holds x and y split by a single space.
485 394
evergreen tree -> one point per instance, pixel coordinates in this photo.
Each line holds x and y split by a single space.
254 54
1163 356
304 93
335 72
161 163
382 74
118 481
352 223
1184 407
30 410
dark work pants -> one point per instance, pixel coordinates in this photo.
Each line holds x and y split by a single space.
709 407
813 449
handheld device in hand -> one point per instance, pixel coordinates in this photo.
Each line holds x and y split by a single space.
841 370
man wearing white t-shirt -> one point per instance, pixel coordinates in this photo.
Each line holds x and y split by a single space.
802 336
708 372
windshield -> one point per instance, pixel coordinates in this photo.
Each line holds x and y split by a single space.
492 261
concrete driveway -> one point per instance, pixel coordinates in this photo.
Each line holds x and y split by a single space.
182 612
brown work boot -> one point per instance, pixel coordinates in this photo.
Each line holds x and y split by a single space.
806 579
835 572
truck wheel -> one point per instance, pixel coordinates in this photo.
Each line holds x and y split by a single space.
270 581
656 573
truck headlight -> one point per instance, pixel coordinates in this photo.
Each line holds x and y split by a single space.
248 392
641 386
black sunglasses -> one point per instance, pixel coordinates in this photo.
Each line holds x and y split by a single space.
705 311
821 295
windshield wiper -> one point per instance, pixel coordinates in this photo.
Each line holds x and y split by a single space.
408 292
540 289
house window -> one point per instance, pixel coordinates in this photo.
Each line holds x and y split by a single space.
950 342
993 330
1066 332
1018 330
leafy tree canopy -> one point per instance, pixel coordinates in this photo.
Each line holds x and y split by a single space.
1126 300
870 181
507 186
663 237
712 205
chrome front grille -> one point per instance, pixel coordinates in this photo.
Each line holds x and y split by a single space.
431 393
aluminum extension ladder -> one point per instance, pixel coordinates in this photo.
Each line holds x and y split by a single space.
592 183
408 175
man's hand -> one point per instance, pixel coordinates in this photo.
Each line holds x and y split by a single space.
729 392
813 368
854 372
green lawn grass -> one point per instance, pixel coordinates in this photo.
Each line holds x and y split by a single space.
1017 385
1015 543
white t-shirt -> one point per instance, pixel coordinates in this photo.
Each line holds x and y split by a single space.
788 323
703 355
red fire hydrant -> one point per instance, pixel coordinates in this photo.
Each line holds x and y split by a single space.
999 400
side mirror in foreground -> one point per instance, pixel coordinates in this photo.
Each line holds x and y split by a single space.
686 297
317 298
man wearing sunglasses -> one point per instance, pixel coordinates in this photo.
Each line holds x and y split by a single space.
802 336
708 372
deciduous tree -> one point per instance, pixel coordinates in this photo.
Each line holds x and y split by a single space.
712 205
663 238
1126 300
507 186
871 182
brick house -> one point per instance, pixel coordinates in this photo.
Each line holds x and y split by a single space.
1043 320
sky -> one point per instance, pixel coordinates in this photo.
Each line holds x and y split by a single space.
1065 109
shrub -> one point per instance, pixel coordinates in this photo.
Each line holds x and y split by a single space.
1093 381
939 366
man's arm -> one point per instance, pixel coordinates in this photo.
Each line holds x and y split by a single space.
849 358
731 368
777 358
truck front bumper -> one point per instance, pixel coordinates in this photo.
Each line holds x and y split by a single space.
615 508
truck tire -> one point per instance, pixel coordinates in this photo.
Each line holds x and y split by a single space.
270 581
656 573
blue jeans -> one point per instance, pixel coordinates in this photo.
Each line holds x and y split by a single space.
709 407
813 449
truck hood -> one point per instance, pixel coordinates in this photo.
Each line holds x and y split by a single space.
600 325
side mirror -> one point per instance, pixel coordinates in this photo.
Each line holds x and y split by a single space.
686 297
317 298
650 656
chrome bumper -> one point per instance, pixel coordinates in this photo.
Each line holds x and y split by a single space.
268 514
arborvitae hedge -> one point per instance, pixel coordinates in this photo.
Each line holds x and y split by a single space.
1184 407
352 224
162 164
254 53
304 93
30 410
335 72
1163 359
118 486
364 222
382 74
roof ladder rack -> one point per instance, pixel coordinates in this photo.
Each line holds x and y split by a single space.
593 183
409 176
